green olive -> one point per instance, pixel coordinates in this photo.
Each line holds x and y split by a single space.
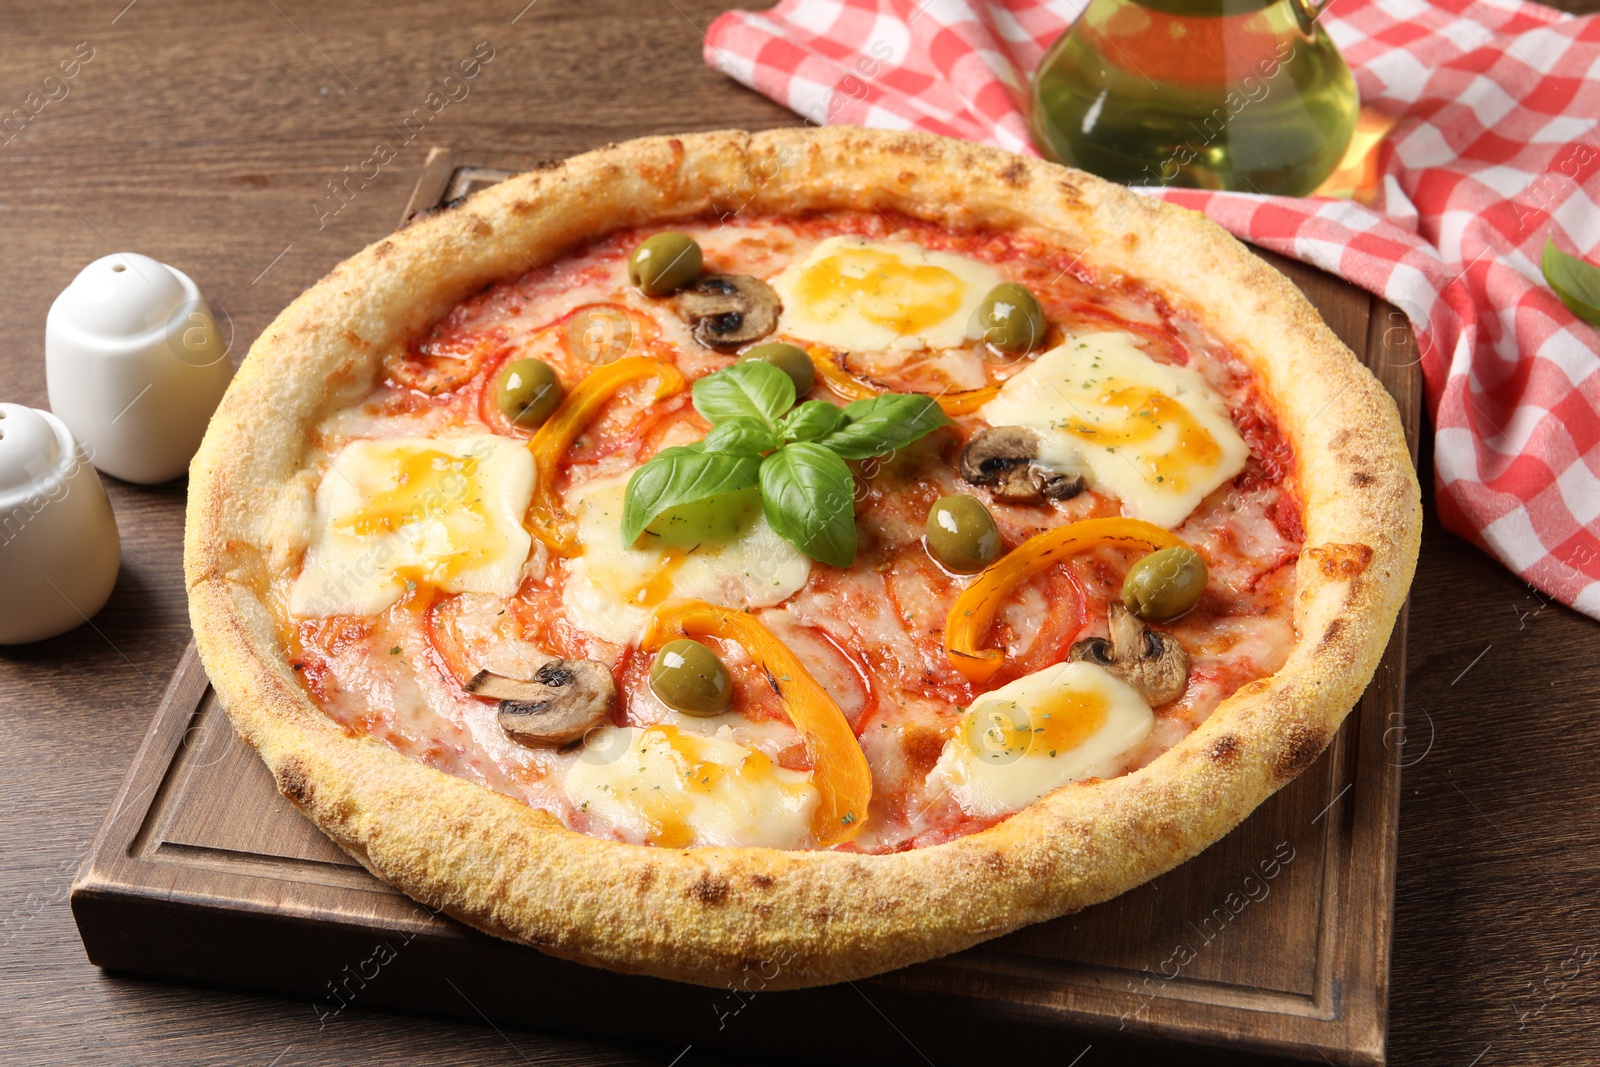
1164 584
665 263
791 359
1010 318
688 677
529 391
962 535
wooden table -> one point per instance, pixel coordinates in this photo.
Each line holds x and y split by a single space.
207 136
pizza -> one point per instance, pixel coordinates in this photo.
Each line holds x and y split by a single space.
831 547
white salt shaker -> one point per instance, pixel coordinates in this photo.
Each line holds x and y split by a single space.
59 550
135 365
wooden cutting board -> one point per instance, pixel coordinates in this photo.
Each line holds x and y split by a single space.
1273 943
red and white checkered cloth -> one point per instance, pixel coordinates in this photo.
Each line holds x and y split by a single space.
1496 147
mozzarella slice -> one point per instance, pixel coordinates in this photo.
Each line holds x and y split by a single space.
1059 725
661 786
865 296
445 512
1152 435
733 558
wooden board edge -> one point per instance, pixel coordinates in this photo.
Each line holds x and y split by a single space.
432 183
161 884
136 795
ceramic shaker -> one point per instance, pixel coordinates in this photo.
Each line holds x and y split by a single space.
135 365
59 550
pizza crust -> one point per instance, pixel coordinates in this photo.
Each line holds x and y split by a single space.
708 915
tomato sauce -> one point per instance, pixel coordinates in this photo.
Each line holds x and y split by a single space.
871 634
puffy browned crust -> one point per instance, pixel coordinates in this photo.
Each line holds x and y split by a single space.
706 915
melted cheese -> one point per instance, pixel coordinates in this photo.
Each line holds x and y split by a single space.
1152 435
661 786
864 296
727 554
445 512
1059 725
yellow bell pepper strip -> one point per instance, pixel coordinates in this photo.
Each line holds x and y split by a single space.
974 610
547 520
838 769
850 387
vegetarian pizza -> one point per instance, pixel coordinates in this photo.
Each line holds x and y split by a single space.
824 546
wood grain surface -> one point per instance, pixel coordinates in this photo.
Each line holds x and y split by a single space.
206 135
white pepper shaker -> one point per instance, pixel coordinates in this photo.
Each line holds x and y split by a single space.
135 365
59 550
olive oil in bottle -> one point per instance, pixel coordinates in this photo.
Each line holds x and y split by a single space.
1246 95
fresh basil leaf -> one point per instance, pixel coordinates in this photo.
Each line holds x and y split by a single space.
812 420
754 390
742 436
1576 282
884 423
682 475
808 496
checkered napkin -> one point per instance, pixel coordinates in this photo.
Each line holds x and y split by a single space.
1495 148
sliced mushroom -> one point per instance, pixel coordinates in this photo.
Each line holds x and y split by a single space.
1152 661
558 705
728 310
1007 457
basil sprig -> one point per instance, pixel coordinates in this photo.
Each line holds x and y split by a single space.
796 454
1576 282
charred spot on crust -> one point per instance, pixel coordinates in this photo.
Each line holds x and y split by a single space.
1015 174
293 783
1331 634
920 149
995 862
1341 561
1301 748
1225 749
382 249
762 881
1362 479
549 164
709 889
644 878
